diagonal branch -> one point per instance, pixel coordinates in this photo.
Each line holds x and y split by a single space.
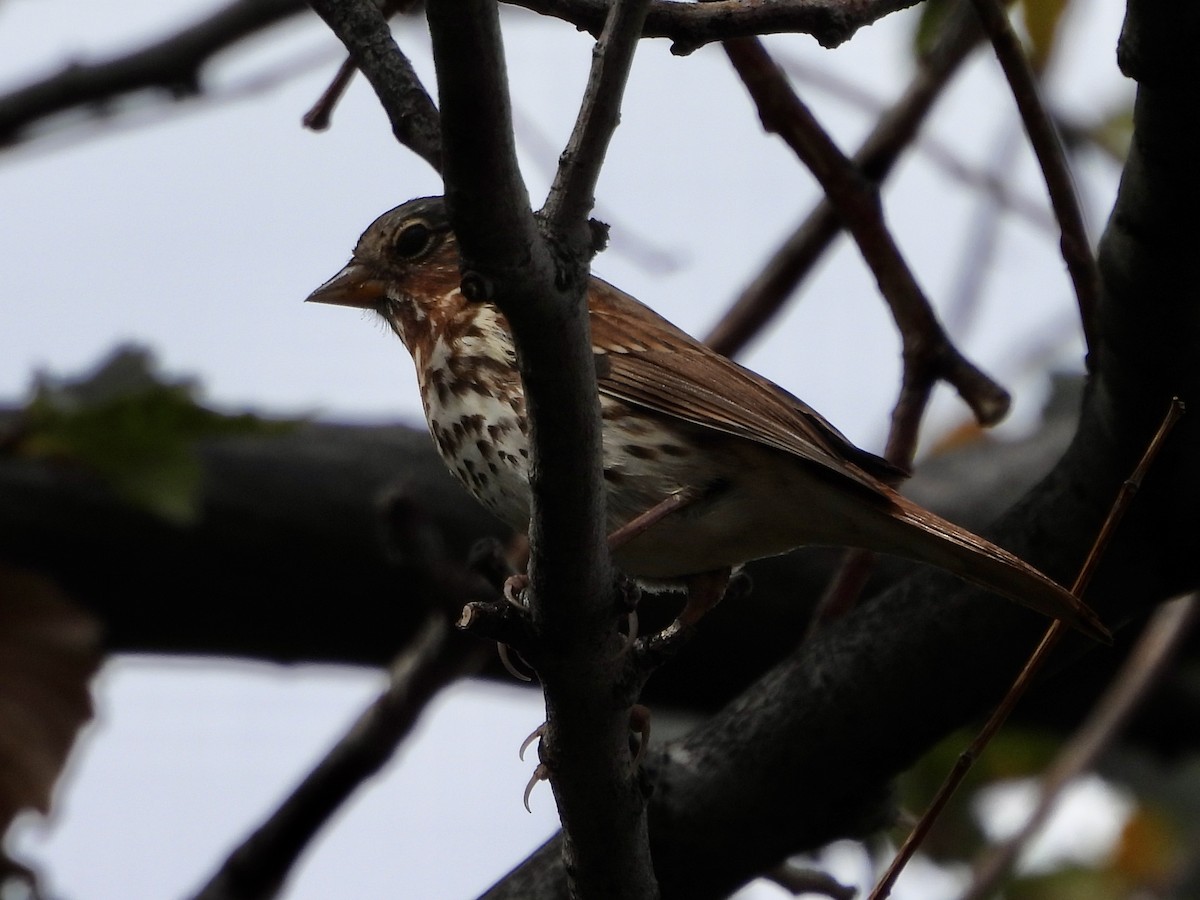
928 353
1043 137
259 866
572 195
894 132
1156 648
363 28
172 64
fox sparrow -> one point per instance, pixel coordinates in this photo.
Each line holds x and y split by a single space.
767 472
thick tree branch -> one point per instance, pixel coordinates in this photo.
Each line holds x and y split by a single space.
692 25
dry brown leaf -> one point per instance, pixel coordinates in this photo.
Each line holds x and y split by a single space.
49 650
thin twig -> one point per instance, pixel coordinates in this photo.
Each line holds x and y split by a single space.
939 153
259 866
1043 137
1154 650
928 353
318 117
1049 640
764 297
364 29
572 195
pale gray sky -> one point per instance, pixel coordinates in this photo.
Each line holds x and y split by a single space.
199 235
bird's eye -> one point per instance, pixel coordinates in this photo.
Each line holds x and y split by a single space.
412 241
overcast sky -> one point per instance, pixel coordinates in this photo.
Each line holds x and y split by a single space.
198 230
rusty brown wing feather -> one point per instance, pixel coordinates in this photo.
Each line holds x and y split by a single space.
651 363
644 360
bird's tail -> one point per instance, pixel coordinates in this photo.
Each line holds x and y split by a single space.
982 563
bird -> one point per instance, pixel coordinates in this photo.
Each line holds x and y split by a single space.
763 472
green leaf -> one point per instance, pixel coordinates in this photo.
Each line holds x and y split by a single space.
133 428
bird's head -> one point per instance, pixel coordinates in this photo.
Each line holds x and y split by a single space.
406 267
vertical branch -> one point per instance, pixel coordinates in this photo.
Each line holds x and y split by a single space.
572 195
928 353
539 283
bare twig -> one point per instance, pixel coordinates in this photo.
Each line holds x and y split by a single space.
572 195
260 865
172 64
318 117
363 28
1033 665
1155 648
1043 137
937 152
763 298
928 353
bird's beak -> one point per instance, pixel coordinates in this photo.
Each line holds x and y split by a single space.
353 286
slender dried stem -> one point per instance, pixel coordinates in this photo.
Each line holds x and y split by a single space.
1049 640
1163 635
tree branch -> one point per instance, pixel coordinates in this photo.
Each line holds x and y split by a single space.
539 284
258 867
928 353
893 133
172 64
1043 137
364 29
692 25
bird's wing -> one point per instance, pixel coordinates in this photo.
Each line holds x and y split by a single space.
643 359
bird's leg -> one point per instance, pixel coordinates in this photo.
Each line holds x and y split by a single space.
704 591
636 526
651 517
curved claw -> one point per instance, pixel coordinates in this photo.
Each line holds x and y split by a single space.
541 773
514 587
534 735
506 661
632 634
